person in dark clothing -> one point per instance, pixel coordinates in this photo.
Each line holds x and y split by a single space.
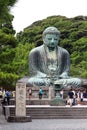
70 94
8 95
85 94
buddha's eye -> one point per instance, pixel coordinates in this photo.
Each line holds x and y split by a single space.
55 38
49 38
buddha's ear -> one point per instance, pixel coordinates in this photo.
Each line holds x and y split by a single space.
43 37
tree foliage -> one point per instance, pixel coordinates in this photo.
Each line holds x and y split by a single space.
5 15
7 44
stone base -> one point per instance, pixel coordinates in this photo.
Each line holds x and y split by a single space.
19 119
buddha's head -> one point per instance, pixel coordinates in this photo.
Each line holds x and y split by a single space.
51 37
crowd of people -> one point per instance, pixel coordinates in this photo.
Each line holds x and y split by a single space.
6 95
75 97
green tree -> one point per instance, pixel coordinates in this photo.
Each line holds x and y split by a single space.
7 44
20 62
5 15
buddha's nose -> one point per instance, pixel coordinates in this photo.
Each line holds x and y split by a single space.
52 41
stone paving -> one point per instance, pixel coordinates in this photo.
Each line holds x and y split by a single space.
55 124
44 124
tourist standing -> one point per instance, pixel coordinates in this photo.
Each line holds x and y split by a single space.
40 93
70 94
30 93
8 96
61 93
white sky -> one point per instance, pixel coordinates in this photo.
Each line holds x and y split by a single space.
28 11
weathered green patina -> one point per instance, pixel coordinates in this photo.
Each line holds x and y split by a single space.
49 63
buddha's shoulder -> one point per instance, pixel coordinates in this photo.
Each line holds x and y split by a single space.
62 50
37 49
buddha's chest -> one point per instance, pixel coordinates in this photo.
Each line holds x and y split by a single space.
52 62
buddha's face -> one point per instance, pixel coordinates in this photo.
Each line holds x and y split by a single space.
51 40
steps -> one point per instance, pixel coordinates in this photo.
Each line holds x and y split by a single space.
33 102
53 112
57 113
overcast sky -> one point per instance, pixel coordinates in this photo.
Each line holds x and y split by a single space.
28 11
